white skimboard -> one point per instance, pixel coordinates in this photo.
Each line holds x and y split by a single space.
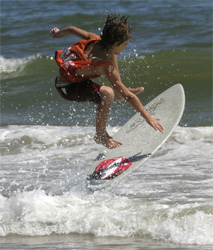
139 139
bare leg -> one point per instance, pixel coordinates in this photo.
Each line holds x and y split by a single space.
102 113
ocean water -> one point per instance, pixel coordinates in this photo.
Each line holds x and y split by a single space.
47 144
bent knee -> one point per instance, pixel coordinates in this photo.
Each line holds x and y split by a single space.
107 92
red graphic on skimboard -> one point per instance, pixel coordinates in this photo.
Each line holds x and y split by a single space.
111 168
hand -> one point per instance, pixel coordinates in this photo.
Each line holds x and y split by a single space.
153 122
53 32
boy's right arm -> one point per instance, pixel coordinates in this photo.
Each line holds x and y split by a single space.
71 30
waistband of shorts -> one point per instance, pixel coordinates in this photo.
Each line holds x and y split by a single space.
60 86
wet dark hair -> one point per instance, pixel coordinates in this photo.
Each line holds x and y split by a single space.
116 29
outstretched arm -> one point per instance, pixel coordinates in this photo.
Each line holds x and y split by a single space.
71 30
114 78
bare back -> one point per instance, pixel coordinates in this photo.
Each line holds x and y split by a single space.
95 53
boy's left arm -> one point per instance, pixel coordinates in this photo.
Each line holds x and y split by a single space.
118 96
115 80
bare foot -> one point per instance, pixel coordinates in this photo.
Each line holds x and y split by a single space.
137 90
107 141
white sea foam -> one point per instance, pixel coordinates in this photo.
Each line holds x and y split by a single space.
12 65
35 213
43 187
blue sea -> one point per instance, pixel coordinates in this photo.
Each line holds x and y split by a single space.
47 145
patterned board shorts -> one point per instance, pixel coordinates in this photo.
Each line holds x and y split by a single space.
80 92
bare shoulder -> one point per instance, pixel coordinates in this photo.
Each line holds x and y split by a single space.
94 52
81 33
91 35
